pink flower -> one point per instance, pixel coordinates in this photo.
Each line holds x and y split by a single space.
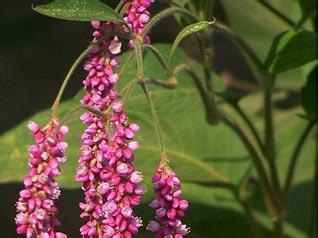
36 208
168 205
112 187
137 16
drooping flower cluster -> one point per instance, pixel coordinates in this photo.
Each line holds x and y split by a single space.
111 185
137 16
36 208
169 205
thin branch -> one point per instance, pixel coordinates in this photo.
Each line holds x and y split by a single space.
313 214
67 78
128 89
155 118
148 94
270 138
249 52
157 54
277 13
125 65
295 157
250 125
163 14
212 115
105 115
120 5
170 84
124 8
256 159
254 225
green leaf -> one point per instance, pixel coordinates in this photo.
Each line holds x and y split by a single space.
79 10
290 50
188 30
308 95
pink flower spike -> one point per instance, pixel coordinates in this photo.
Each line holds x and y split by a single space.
33 127
95 24
106 162
36 208
168 205
133 145
153 226
117 106
137 16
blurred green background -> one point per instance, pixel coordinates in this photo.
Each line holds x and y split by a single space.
35 54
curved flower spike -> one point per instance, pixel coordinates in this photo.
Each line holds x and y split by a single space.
110 183
169 206
36 208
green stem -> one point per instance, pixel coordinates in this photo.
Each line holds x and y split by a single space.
148 95
270 138
125 65
278 227
124 8
313 214
155 117
96 111
258 68
277 13
254 225
250 125
209 9
128 89
138 54
256 159
295 157
69 114
163 14
302 21
212 115
67 78
120 5
205 47
158 55
173 3
169 84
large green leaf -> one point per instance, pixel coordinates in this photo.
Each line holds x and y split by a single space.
290 50
79 10
198 152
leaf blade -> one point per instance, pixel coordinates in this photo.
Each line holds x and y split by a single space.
78 10
291 49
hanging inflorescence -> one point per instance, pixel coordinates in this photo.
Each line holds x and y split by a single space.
111 185
36 205
169 206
